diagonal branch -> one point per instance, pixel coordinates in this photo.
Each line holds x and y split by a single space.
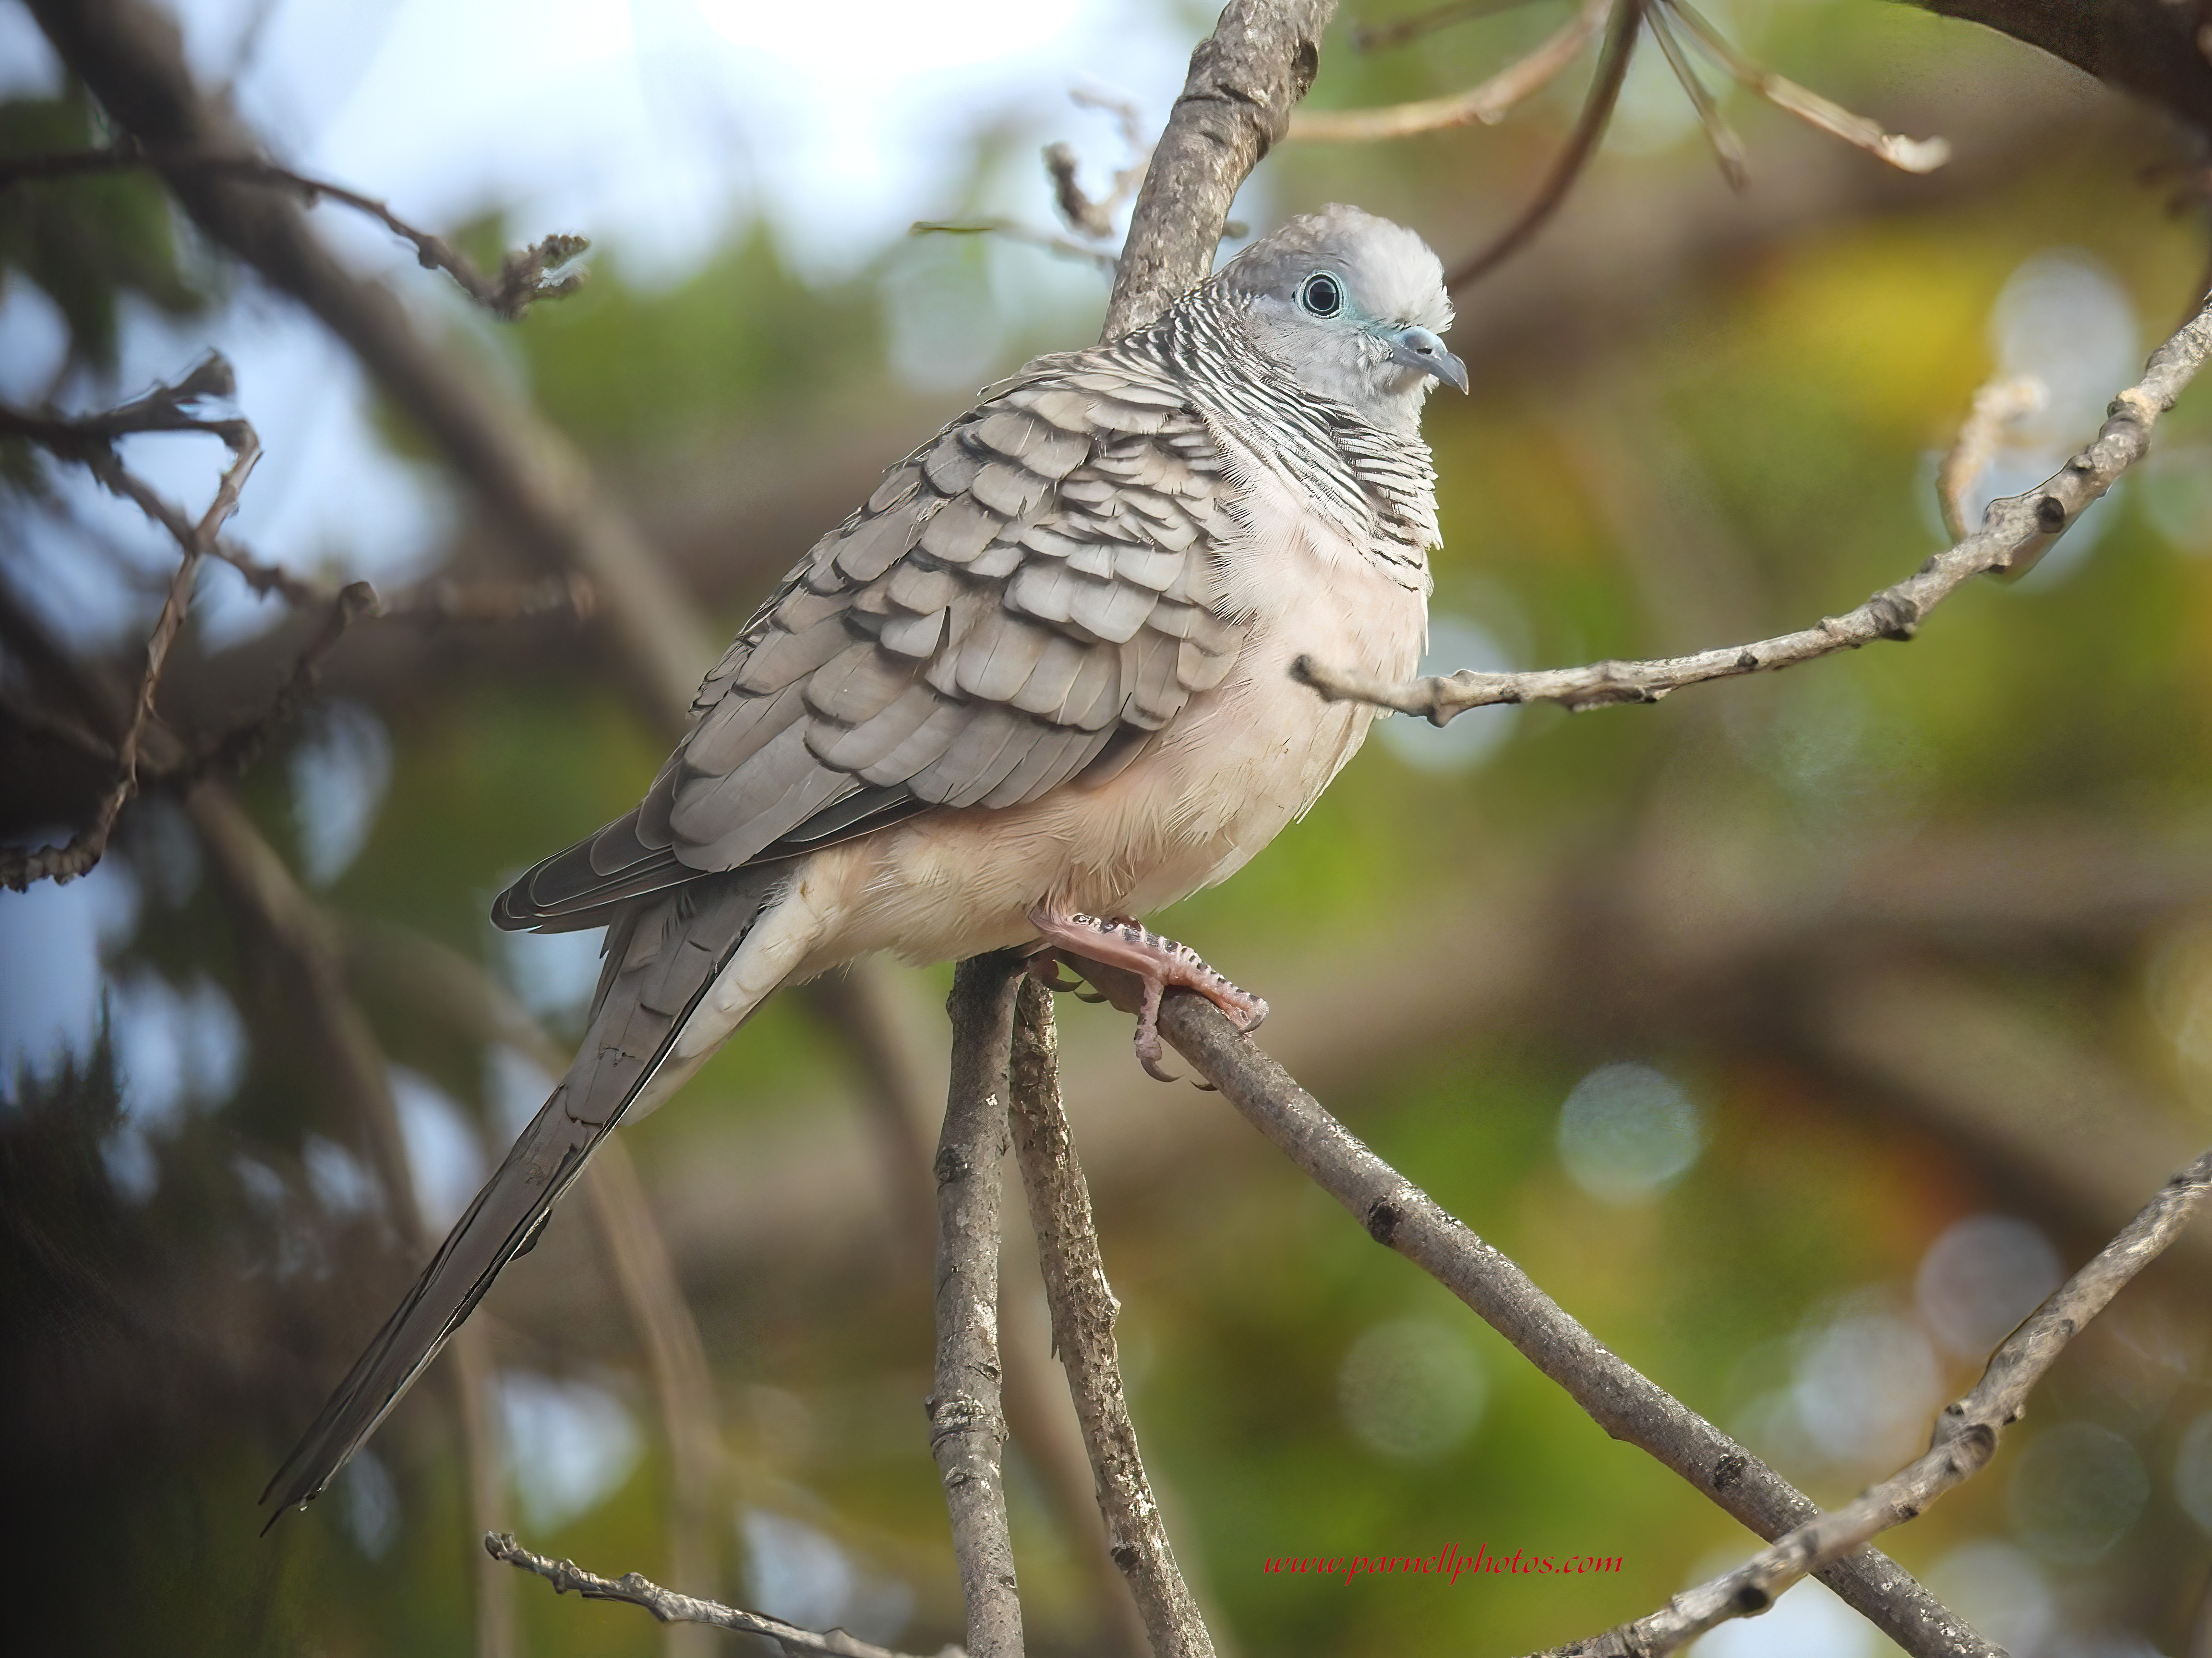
2015 532
670 1607
526 277
1624 1403
1487 104
1620 37
1235 107
1964 1439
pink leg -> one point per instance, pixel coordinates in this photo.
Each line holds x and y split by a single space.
1160 962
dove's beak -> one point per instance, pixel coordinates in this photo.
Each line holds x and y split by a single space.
1424 353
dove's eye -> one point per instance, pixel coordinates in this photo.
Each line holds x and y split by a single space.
1320 296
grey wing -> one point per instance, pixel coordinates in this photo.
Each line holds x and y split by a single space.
1024 599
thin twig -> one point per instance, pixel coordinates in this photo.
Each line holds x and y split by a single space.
90 441
2015 532
1082 1314
1098 258
1627 1404
531 480
526 277
1907 155
1095 219
1621 34
1997 405
1379 36
1486 104
1964 1439
967 1424
670 1607
1727 148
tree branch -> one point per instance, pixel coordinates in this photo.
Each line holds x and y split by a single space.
90 440
670 1607
1488 103
1627 1404
967 1425
1620 37
1082 1314
524 276
1964 1441
2015 532
1235 107
532 480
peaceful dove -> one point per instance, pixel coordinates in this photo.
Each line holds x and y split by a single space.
1038 685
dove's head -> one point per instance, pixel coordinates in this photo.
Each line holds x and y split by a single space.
1353 307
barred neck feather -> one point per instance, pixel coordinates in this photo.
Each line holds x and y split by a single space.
1378 487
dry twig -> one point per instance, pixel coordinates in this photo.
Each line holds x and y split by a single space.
526 277
1235 106
1097 257
670 1607
1082 1314
2000 403
90 440
2015 532
1727 148
1378 37
1487 104
1907 155
531 480
1620 37
1964 1439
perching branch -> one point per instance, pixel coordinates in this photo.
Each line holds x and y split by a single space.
1624 1403
2015 532
1964 1441
1082 1314
670 1607
526 277
967 1425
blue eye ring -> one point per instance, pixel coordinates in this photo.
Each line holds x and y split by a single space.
1322 295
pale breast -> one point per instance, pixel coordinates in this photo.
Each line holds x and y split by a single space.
1232 771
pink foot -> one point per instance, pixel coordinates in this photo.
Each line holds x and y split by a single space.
1160 962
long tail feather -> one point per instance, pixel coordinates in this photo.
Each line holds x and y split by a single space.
661 962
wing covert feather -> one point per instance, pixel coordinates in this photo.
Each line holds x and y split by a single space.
1021 597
